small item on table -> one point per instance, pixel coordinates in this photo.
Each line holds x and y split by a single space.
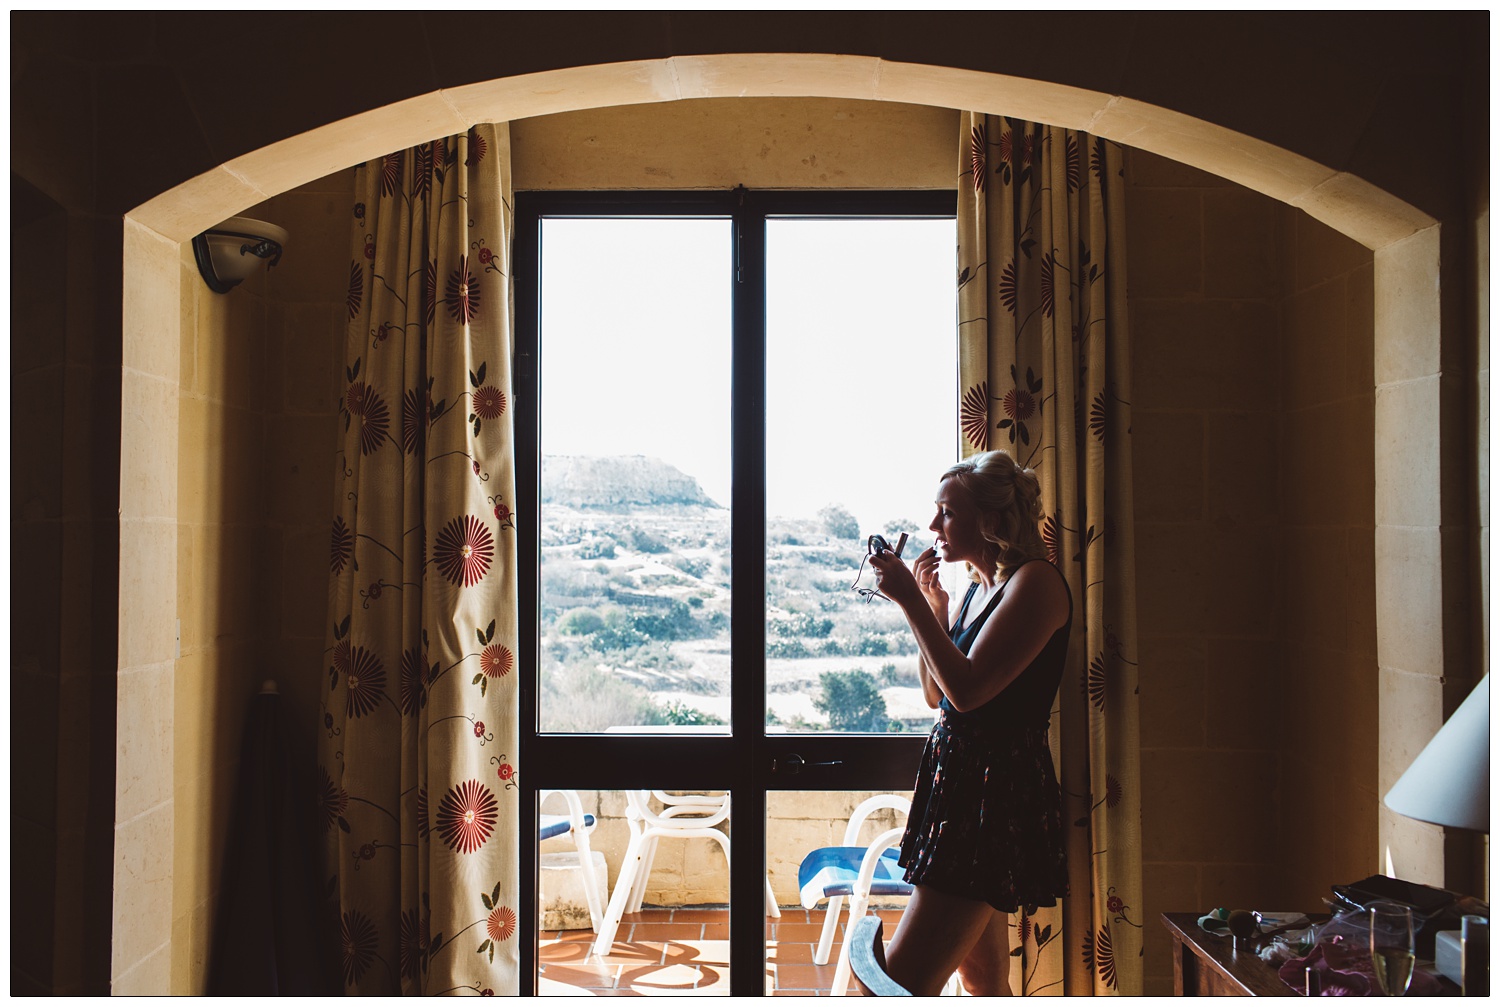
1475 953
1244 925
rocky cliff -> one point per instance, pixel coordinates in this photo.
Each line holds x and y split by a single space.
618 481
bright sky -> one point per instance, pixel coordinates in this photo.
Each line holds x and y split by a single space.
862 371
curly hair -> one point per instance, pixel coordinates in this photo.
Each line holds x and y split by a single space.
1009 500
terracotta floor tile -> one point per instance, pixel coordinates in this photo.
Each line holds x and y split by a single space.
666 932
551 988
634 953
713 980
799 933
785 953
700 915
567 937
660 978
702 952
804 977
684 952
562 954
583 975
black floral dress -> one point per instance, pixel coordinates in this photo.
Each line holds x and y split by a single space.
986 818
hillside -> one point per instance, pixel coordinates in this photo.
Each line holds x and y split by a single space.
635 606
618 481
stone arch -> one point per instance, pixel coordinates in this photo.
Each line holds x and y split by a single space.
1408 314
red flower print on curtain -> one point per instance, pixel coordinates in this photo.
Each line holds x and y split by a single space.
463 293
1039 325
355 297
463 550
412 945
974 416
360 943
365 682
489 402
414 711
501 924
466 816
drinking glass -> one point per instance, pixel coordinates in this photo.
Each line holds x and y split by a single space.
1393 946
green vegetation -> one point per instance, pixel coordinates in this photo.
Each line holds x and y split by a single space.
838 522
682 715
852 702
634 620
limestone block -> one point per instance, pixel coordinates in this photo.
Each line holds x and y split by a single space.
562 892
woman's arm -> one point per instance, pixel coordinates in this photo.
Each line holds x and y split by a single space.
925 571
930 691
1034 607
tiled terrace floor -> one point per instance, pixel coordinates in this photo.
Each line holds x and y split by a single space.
685 952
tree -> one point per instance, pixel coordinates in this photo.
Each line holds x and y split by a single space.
838 522
852 702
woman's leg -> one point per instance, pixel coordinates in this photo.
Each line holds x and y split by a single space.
986 969
937 934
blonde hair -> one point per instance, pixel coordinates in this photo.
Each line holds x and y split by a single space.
1009 500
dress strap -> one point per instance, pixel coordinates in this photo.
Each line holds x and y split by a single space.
958 622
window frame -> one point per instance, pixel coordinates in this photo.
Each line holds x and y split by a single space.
593 762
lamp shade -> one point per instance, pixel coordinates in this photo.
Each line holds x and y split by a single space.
1449 782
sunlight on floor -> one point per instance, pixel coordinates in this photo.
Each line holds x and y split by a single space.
685 952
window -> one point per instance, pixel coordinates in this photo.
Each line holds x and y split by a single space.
719 396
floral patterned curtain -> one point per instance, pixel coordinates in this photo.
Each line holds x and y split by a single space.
1045 367
418 792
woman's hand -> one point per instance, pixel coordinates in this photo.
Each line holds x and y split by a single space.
925 569
895 581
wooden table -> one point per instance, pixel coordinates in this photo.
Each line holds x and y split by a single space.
1204 965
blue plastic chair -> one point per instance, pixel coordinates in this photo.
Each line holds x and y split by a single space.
855 873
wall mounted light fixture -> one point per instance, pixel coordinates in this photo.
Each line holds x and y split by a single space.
230 252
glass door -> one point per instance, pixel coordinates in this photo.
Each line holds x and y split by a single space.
697 435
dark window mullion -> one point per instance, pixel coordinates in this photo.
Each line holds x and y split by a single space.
748 604
526 277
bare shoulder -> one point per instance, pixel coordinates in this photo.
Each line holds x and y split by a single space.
1040 589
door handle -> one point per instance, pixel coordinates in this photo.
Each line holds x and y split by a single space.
791 765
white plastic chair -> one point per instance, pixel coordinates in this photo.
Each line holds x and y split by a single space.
577 825
853 872
683 816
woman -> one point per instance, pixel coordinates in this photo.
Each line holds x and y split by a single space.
984 837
